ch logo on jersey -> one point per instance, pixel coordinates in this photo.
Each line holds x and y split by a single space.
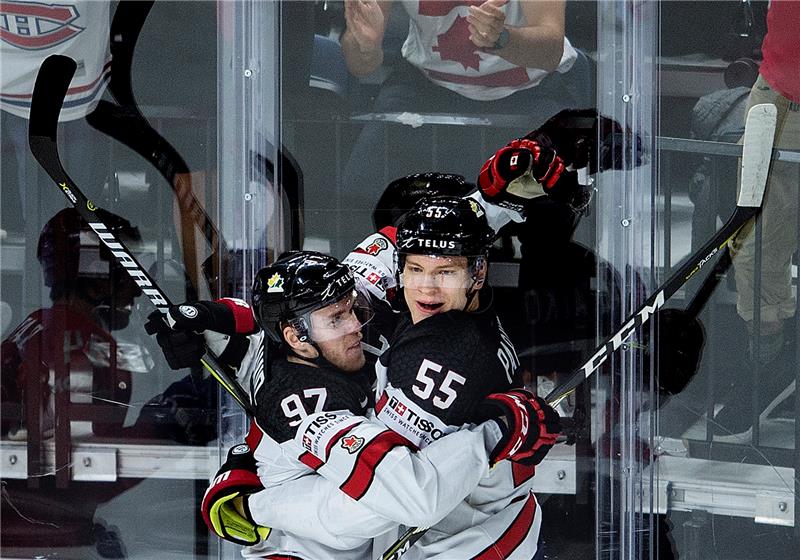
376 246
36 26
352 443
275 283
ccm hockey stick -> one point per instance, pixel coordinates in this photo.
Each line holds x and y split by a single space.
49 91
758 138
759 134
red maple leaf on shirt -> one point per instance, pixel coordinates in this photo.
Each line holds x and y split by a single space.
454 44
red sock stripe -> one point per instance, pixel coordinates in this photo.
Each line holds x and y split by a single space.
513 536
368 459
242 316
310 460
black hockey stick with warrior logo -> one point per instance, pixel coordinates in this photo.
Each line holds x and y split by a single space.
49 91
756 153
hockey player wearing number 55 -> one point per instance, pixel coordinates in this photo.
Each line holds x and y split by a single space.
307 305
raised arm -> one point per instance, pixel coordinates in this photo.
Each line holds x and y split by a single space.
362 40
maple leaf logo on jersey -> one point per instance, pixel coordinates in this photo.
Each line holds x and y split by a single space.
376 246
33 26
454 44
352 443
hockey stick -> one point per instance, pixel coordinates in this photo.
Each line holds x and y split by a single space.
126 124
49 91
758 138
759 134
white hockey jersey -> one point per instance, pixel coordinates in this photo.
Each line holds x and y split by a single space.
33 30
438 44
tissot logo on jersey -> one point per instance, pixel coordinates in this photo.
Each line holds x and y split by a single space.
35 26
318 431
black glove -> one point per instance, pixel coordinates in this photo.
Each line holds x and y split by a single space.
584 138
181 349
179 331
529 425
227 316
236 478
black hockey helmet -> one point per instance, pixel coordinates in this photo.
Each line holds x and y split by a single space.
71 253
297 284
402 194
445 226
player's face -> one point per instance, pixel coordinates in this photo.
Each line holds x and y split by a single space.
336 329
433 284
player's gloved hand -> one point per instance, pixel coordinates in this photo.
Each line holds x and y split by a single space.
224 506
181 349
584 138
178 332
530 426
521 170
227 316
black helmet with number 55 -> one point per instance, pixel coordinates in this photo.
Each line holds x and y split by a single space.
402 194
445 226
289 290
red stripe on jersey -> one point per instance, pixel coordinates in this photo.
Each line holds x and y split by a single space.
253 436
381 402
513 536
242 315
511 77
368 460
311 461
281 557
522 473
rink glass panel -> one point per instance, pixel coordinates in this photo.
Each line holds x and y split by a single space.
256 100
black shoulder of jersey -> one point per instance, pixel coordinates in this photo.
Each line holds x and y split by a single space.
296 390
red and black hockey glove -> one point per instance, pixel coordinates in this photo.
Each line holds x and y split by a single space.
522 170
225 509
530 426
178 332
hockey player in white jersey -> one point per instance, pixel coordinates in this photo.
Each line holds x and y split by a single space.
307 306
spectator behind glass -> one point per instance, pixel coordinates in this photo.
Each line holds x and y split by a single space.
778 83
32 31
467 58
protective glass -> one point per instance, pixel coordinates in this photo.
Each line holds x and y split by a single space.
436 271
339 319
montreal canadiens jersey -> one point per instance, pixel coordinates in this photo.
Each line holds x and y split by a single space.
438 44
30 31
